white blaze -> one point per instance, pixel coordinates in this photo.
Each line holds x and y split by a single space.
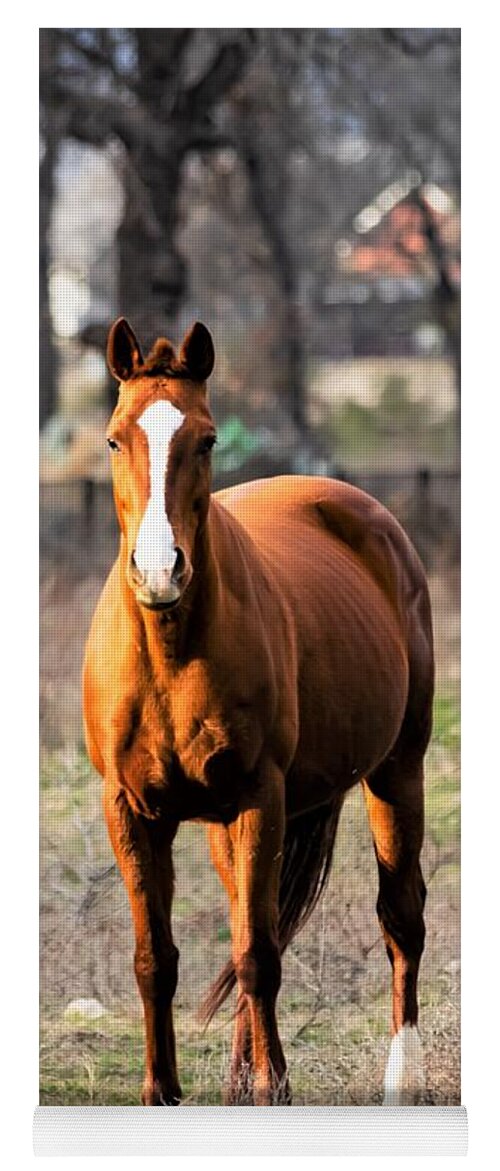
155 551
404 1081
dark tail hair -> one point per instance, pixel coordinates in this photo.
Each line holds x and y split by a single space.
307 857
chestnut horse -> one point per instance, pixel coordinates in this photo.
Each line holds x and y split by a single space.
254 654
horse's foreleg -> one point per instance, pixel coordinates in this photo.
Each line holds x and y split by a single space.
143 851
394 800
257 842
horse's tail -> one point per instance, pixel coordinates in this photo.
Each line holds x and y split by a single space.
307 857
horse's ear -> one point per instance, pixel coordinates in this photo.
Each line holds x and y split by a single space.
123 351
197 353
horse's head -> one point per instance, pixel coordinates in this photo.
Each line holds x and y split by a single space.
161 435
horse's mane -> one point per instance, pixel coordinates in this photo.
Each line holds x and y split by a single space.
162 360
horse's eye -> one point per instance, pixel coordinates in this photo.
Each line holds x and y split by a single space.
206 444
113 444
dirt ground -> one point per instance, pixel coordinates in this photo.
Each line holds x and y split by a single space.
334 1008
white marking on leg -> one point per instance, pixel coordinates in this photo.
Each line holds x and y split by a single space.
404 1081
155 548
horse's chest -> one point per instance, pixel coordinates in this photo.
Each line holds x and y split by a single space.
197 767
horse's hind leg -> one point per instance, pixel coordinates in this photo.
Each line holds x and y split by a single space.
239 1090
394 800
257 838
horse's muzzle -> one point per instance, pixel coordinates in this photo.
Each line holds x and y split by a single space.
160 589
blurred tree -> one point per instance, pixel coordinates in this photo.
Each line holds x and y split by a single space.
153 90
251 162
181 78
156 90
265 129
50 136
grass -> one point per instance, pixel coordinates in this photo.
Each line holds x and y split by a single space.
339 1059
443 788
446 721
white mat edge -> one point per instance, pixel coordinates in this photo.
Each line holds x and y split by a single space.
231 1131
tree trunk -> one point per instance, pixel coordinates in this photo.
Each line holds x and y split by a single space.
451 323
48 357
266 180
446 297
152 274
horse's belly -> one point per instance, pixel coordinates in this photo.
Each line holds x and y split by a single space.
353 683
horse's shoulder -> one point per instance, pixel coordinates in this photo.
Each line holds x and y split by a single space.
112 643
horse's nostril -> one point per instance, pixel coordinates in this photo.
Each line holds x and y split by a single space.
135 572
179 565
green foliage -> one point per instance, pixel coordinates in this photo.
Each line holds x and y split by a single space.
235 444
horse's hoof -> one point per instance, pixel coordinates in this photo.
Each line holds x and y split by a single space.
239 1091
277 1094
285 1095
272 1098
238 1097
158 1095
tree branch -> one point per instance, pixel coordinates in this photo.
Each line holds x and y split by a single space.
224 72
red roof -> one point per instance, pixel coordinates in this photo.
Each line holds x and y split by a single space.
398 245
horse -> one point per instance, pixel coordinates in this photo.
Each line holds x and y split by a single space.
255 653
